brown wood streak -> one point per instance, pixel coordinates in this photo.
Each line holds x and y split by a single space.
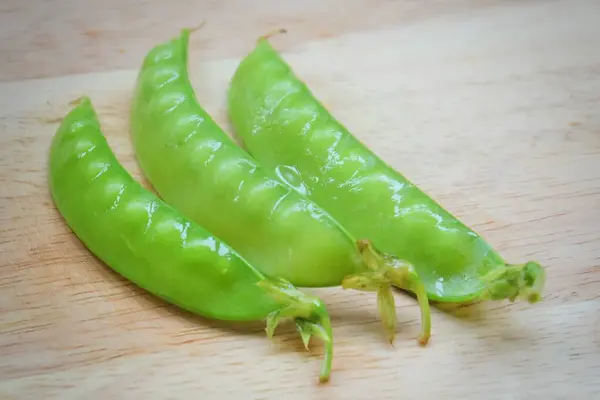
32 47
489 106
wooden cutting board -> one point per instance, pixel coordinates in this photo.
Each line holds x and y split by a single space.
493 107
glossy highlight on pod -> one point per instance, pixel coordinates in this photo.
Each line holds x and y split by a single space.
197 168
285 127
156 247
234 233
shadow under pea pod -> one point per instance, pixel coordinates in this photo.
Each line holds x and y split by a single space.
155 246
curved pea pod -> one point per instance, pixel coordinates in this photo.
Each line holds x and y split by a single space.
197 168
286 128
160 250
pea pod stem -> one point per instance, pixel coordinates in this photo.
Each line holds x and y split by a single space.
309 313
321 329
416 285
384 272
524 281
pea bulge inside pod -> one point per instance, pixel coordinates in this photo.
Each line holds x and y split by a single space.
197 168
286 128
156 247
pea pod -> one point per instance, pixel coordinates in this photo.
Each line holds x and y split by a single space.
157 248
287 129
196 167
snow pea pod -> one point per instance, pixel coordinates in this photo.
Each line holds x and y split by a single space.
286 128
157 248
196 167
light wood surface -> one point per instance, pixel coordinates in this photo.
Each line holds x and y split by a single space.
493 107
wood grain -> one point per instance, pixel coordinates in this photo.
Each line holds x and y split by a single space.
491 107
61 37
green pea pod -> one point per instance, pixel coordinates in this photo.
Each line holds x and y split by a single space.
197 168
156 247
289 132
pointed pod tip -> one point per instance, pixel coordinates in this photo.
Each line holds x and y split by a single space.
274 32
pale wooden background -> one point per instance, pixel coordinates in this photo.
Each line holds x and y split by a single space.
491 106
